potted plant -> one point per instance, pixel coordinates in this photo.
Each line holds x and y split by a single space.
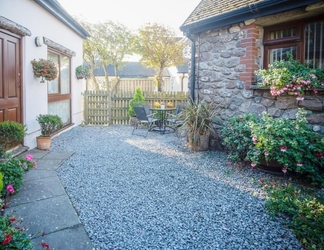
289 145
197 120
81 72
45 69
291 76
49 124
138 99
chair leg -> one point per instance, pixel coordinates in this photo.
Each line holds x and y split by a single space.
135 127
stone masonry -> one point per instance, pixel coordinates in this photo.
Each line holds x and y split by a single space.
226 60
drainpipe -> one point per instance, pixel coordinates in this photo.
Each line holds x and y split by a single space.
192 68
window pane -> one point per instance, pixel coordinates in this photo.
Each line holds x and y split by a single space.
281 53
314 44
60 108
279 34
53 86
65 75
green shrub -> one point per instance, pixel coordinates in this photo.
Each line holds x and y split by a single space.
49 123
290 143
11 236
11 133
305 211
138 99
236 134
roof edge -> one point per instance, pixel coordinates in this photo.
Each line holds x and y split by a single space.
61 14
257 10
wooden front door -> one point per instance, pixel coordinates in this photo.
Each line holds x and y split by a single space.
10 79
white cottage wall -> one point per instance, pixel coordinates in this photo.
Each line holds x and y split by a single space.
41 23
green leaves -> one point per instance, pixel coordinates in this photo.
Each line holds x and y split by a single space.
137 100
305 211
159 48
11 133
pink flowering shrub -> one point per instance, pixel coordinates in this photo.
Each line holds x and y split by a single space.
290 143
13 169
291 76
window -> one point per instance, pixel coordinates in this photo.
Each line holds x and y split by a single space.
303 39
58 90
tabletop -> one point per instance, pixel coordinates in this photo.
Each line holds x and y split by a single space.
165 109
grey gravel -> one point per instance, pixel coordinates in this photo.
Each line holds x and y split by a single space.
133 192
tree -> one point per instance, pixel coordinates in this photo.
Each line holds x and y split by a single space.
108 43
90 53
159 48
114 41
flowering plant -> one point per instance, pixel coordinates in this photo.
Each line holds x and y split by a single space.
12 236
291 76
290 143
46 69
13 170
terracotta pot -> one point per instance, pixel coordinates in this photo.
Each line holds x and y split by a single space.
43 142
198 142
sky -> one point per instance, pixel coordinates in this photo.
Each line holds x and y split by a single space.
133 13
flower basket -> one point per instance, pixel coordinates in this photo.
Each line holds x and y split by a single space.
45 69
292 77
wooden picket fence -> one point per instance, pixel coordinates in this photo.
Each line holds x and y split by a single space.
105 108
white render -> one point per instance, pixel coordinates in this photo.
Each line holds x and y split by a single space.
42 23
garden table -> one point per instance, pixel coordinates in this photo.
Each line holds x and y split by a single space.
162 125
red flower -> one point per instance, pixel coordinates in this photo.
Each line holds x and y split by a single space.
262 181
46 246
7 239
12 219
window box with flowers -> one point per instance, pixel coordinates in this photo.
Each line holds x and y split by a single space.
45 69
291 77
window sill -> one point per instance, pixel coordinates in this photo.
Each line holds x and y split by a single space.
257 87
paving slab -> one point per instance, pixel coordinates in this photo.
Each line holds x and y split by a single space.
36 174
35 190
57 155
75 238
37 154
49 164
45 216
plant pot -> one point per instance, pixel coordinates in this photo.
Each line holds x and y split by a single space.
198 142
271 167
132 120
43 142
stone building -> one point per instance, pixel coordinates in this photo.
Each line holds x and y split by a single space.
232 39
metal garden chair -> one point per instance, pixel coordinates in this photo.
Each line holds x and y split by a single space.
144 119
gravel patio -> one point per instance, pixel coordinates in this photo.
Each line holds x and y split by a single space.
133 192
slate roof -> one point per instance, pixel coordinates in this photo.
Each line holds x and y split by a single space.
212 8
130 70
183 68
212 14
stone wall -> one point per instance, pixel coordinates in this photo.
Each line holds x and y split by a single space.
225 63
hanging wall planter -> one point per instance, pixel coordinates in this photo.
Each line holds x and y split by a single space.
81 72
45 69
